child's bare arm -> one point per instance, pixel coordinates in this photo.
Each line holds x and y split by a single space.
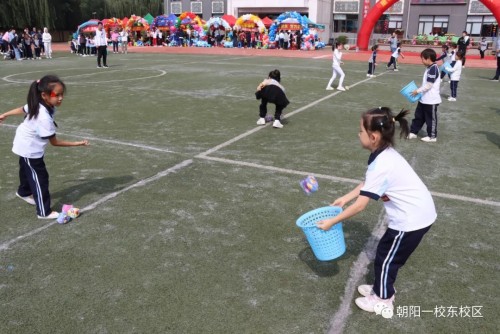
17 111
56 142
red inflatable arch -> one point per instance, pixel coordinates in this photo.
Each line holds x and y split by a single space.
376 11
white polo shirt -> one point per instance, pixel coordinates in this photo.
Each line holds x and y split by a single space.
407 201
433 76
100 38
32 135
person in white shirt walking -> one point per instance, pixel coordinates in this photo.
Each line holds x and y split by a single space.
101 42
337 56
47 43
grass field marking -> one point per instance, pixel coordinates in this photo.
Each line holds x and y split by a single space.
320 57
342 179
102 70
279 169
249 132
246 134
111 141
139 183
359 269
5 245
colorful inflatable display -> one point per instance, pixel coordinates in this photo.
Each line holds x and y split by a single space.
297 20
217 22
164 22
137 23
112 24
249 22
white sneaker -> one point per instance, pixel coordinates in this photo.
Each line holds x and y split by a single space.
261 121
396 70
277 124
429 139
412 136
329 88
365 290
368 75
452 99
53 215
372 76
369 302
342 89
27 199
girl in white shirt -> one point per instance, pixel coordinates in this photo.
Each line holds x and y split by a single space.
337 56
47 43
408 204
455 72
32 136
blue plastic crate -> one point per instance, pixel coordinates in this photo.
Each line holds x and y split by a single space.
326 245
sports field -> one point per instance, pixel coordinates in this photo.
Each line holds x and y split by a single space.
189 208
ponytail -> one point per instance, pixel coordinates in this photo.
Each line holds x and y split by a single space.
381 119
44 85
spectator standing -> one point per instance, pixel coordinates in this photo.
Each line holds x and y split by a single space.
101 42
47 43
497 52
483 46
462 44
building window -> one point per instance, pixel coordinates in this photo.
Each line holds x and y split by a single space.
485 26
176 8
431 25
217 7
345 23
197 7
387 24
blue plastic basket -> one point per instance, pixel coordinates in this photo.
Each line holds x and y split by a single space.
326 245
443 67
406 91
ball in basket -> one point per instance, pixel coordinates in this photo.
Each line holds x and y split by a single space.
73 212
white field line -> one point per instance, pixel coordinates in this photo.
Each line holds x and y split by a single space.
111 141
249 132
341 179
359 269
5 245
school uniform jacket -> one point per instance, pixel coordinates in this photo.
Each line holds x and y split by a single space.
273 92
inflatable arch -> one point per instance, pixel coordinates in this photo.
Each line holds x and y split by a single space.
381 6
217 22
294 15
249 17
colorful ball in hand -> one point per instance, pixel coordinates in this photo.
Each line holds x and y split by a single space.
73 212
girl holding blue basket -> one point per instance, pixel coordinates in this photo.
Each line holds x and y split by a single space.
408 204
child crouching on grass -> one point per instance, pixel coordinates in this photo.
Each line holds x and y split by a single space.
271 90
32 136
408 203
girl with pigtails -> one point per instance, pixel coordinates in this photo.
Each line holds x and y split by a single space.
32 136
409 206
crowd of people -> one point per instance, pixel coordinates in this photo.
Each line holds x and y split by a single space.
29 44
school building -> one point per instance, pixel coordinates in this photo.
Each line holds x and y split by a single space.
344 17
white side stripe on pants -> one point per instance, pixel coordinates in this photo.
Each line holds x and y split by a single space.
387 262
38 189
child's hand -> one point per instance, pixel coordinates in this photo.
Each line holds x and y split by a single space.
340 202
2 118
414 93
325 225
83 143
